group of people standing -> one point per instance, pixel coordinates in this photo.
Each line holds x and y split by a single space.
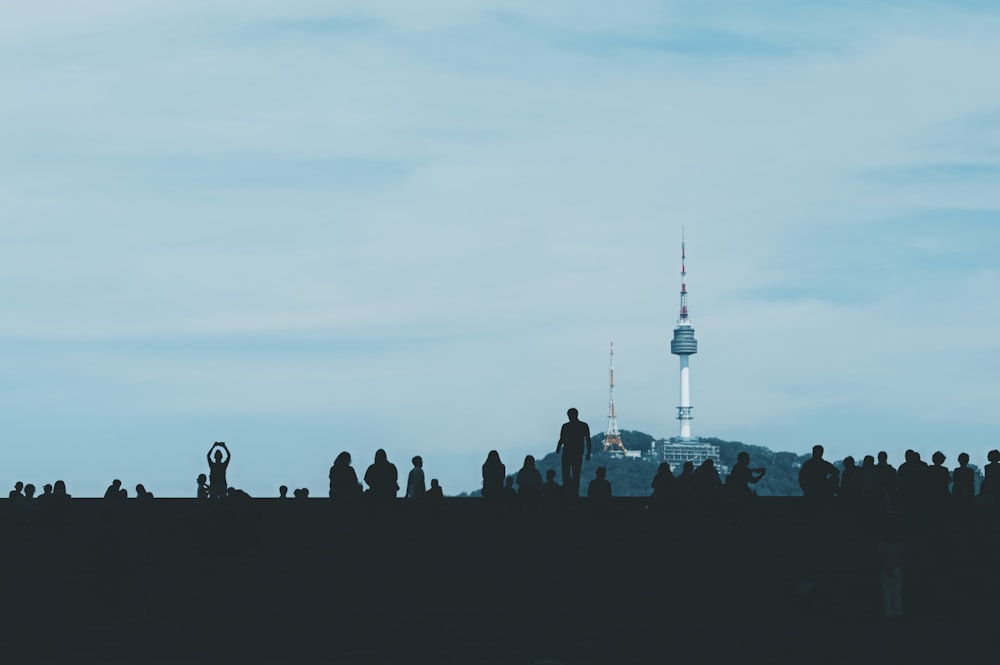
914 487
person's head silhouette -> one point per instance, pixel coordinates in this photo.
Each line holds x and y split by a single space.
573 414
817 451
963 459
883 457
529 462
381 457
283 492
601 472
743 458
418 461
938 458
550 475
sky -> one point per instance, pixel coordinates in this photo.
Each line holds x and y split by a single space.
302 227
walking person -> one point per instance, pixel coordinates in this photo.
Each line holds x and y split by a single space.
572 437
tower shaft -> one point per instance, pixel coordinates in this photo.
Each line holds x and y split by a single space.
684 345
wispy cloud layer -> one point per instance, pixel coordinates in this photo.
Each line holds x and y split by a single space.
418 229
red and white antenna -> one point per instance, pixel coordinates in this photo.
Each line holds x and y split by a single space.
612 438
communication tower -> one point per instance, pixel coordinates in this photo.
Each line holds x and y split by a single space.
612 438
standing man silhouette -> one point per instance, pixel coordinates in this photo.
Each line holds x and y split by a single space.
571 439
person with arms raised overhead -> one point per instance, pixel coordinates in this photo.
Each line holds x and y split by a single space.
572 437
217 485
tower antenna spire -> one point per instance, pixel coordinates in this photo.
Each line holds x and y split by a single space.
684 345
612 438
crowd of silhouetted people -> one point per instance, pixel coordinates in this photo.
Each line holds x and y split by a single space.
915 488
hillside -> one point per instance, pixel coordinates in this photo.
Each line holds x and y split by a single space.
632 477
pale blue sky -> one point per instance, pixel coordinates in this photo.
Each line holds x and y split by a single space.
304 227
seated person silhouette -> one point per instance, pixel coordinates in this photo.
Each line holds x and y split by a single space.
706 482
664 484
550 488
142 494
685 482
114 490
529 480
301 493
742 476
217 485
494 473
202 486
17 492
600 487
435 491
382 478
283 492
344 483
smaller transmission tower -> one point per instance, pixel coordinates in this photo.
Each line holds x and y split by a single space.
613 438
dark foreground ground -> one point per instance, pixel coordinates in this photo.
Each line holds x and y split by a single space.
463 581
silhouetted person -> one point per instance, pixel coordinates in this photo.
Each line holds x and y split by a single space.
573 436
218 488
963 487
301 493
435 491
46 496
59 491
202 486
142 494
664 485
850 482
344 483
550 488
283 492
887 479
27 510
869 483
938 481
600 486
529 480
989 489
818 478
913 479
742 477
114 490
509 493
17 493
685 483
415 488
494 473
706 482
382 478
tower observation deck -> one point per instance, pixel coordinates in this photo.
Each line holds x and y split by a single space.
684 345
